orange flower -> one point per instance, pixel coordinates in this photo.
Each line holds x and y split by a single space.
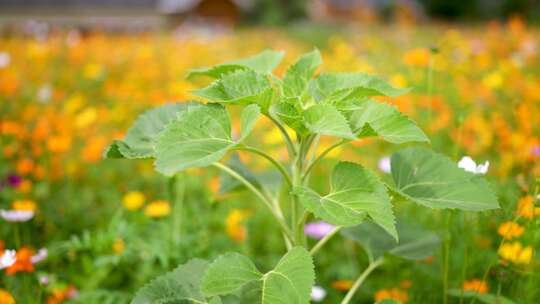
24 205
24 166
342 285
510 230
93 149
23 262
6 297
526 207
392 294
158 208
59 295
59 143
475 285
417 57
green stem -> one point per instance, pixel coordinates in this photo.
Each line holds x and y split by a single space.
269 205
288 141
361 279
324 240
321 156
446 254
279 166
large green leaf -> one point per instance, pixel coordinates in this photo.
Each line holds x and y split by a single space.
239 87
433 180
181 284
414 243
199 137
228 273
335 86
140 139
289 282
482 297
298 75
325 119
373 118
355 194
263 63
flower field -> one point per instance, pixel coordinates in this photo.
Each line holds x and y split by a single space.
79 228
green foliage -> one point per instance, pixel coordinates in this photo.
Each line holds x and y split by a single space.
433 180
355 194
414 243
199 137
191 135
181 284
263 63
289 282
141 137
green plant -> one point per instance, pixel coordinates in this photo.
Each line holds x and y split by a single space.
191 134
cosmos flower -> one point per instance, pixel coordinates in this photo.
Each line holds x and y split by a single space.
475 285
385 165
159 208
5 59
317 293
318 230
469 165
233 224
16 215
40 256
7 259
392 294
510 230
6 297
516 253
133 200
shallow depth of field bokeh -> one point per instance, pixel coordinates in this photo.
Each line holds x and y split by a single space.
109 226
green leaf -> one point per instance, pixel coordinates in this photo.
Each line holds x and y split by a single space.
183 283
249 117
482 297
298 75
336 86
239 87
228 273
199 137
140 139
325 119
414 243
433 180
384 120
263 63
289 282
215 300
288 114
355 194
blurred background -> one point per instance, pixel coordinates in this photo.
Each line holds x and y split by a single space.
74 74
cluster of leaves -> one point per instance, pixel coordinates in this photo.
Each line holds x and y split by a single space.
192 134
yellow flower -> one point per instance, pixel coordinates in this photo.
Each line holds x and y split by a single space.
158 208
475 285
133 200
392 294
510 230
493 80
516 253
233 224
24 205
417 57
86 118
6 297
526 208
118 246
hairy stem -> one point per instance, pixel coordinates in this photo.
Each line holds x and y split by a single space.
277 214
361 279
321 156
288 140
274 162
324 240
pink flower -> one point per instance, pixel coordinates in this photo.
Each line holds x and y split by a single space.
318 230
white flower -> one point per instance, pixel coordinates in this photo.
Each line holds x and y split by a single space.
39 256
44 93
7 259
384 164
317 293
5 59
16 215
469 165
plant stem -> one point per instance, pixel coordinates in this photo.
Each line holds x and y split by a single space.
288 141
361 279
323 154
277 214
279 166
324 240
446 253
